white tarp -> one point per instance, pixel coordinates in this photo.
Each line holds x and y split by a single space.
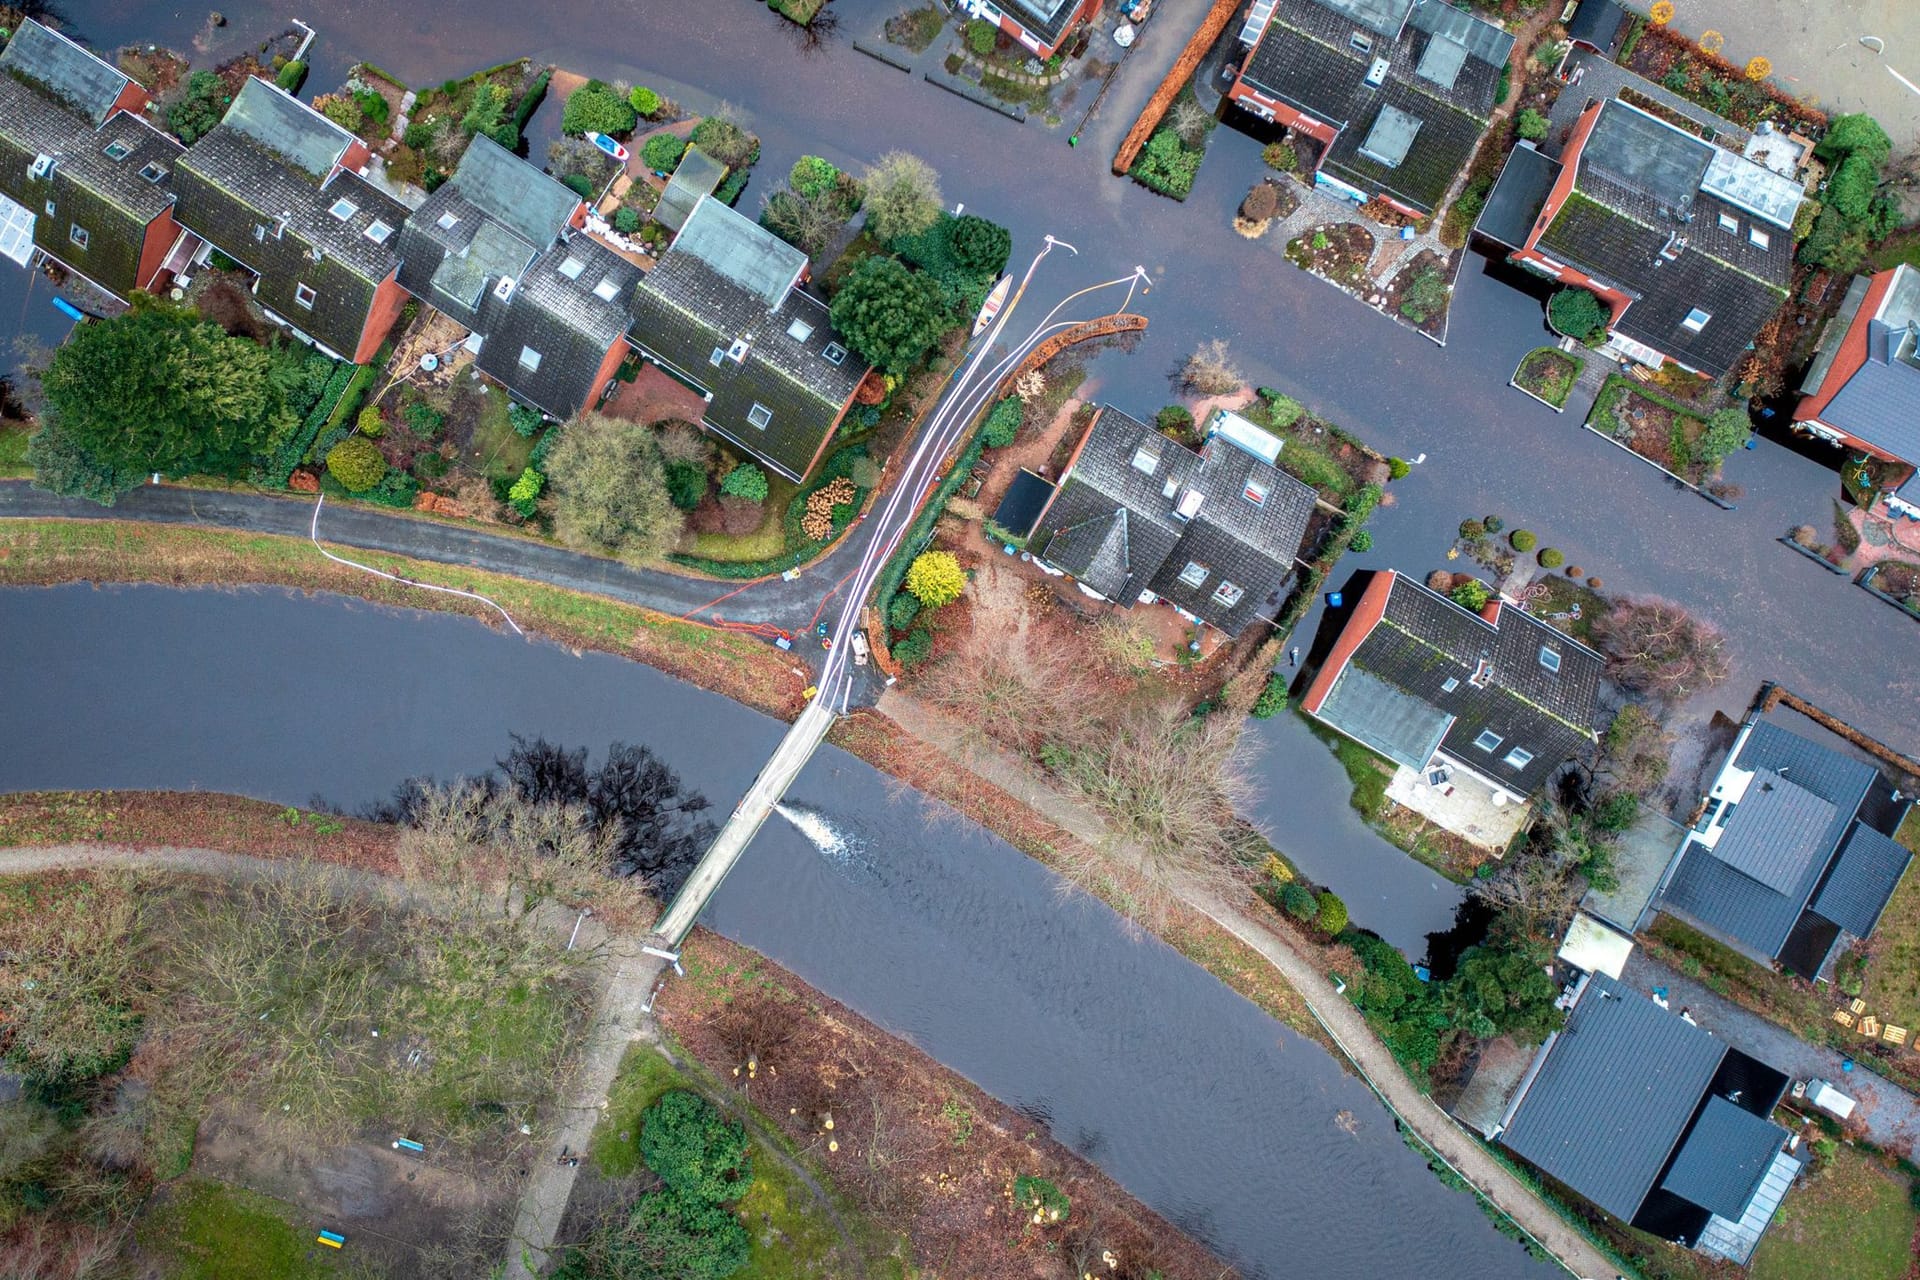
16 231
1594 948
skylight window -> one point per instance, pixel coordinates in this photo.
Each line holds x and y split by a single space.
1519 757
118 150
1194 574
1758 238
607 290
799 330
1228 594
1360 42
78 234
719 354
760 415
835 353
377 231
529 359
1449 684
1696 319
304 295
1145 460
1256 492
344 209
1487 740
1729 223
1549 658
572 267
448 221
152 172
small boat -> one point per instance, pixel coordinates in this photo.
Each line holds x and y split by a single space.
991 307
611 147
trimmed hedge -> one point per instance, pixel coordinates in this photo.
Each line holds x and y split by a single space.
920 532
293 450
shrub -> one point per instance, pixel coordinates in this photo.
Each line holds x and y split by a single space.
1281 156
1282 411
423 418
746 481
981 36
1494 523
356 463
1298 901
812 177
291 76
1727 430
1576 313
1003 423
979 246
370 423
372 106
626 220
663 151
1333 913
1361 541
524 419
1398 468
1167 165
195 115
686 484
1473 530
904 609
595 108
1040 1200
1175 420
726 142
643 100
1262 203
526 491
1361 505
1427 295
668 1234
64 466
579 184
1472 594
915 649
1530 124
1273 698
1552 558
936 578
1523 540
697 1151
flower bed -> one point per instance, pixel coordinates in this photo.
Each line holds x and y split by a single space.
1420 294
1657 429
1680 66
1548 373
1340 251
1898 581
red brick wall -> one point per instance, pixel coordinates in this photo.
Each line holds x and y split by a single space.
388 298
161 233
609 365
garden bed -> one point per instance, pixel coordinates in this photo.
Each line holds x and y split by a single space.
1548 375
916 28
1171 159
1338 251
1659 430
1896 581
1420 292
1679 65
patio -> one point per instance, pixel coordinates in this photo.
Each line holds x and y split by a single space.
1462 804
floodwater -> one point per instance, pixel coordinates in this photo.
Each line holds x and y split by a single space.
1201 1105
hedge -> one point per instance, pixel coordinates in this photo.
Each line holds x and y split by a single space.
920 532
340 424
531 99
801 547
293 450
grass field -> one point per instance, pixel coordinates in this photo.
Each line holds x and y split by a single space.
1851 1221
207 1231
1893 974
13 450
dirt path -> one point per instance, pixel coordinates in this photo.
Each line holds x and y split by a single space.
1337 1016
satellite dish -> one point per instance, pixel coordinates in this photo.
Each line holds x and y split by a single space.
429 362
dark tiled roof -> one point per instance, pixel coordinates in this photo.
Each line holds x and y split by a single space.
1880 402
456 266
1862 881
260 207
1599 23
69 74
1618 1087
685 310
569 309
1444 143
1114 527
277 122
106 197
1722 1161
533 205
1424 640
1521 192
1716 894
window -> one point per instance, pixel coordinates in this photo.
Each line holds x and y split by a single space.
1360 42
607 290
1487 740
1449 684
1227 594
118 150
305 296
1697 319
78 234
529 359
835 353
259 231
760 415
1726 813
1729 223
572 267
377 231
1194 574
344 209
1519 757
1255 492
49 208
1758 238
1549 658
799 330
719 354
152 172
448 221
1145 460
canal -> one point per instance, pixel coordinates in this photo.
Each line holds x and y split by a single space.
1226 1122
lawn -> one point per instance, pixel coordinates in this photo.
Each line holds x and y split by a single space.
764 543
1548 373
1369 773
497 451
13 449
1892 984
1850 1221
208 1231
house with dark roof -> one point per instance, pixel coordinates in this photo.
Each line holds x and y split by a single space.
1687 243
498 248
277 187
1863 389
1497 697
1041 26
1600 25
1389 96
1139 518
1793 852
83 175
725 311
1639 1111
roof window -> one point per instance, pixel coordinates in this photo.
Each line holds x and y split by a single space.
1696 319
1519 757
1194 574
719 354
1145 460
760 415
78 234
1487 740
152 172
572 267
117 149
377 231
529 359
607 290
1450 684
799 330
1549 658
1255 492
1228 594
1758 238
1360 42
344 209
304 295
1729 223
835 353
448 221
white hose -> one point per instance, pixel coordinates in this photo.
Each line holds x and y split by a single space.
313 533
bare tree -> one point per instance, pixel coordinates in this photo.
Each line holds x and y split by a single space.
1190 120
814 38
1007 694
610 490
1210 370
903 196
684 442
1634 752
1656 647
808 222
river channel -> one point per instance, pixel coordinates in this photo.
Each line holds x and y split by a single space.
1219 1117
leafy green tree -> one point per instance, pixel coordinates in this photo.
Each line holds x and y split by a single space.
888 314
1576 313
915 649
686 483
980 246
904 609
609 488
691 1239
1530 124
1471 594
1856 134
812 176
626 220
746 481
194 116
1727 430
936 578
357 463
595 108
62 466
643 100
1003 423
903 196
721 136
1835 243
698 1152
1851 187
488 115
159 389
1505 992
662 152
